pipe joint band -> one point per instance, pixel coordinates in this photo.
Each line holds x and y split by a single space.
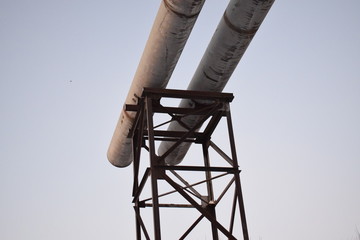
237 29
182 15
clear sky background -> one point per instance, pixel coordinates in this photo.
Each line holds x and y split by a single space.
66 67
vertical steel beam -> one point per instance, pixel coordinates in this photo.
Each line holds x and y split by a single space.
135 188
209 185
154 169
137 143
237 175
205 147
137 140
211 209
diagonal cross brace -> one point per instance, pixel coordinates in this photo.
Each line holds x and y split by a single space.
198 207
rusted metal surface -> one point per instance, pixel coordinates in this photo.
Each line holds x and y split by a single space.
191 227
238 189
204 202
155 175
240 22
171 29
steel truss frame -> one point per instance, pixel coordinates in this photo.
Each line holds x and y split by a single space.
144 135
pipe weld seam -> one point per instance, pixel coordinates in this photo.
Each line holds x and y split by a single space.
210 78
182 15
237 29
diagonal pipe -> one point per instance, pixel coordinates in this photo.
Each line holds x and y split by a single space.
171 29
237 27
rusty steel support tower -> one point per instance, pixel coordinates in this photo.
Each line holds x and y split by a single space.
210 108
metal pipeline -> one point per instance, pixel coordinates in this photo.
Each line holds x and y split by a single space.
171 29
240 22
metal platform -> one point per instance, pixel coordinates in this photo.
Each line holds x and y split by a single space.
213 108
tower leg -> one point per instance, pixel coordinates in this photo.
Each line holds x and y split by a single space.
210 190
154 169
237 177
206 199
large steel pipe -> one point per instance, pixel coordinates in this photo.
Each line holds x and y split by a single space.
171 29
241 20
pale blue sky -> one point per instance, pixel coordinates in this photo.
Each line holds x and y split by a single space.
66 67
